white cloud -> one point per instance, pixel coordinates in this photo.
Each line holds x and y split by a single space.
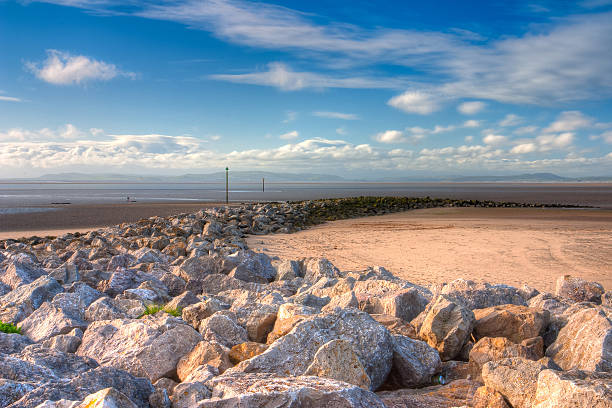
415 102
95 151
548 142
471 108
62 68
215 138
469 139
290 135
526 130
568 121
563 60
607 136
280 76
336 115
341 131
390 136
524 148
494 140
471 123
9 99
510 120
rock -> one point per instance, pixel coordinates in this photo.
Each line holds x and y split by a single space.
319 268
516 323
66 274
514 378
119 281
565 389
585 342
454 370
496 348
107 308
66 343
258 319
579 290
244 351
396 325
481 295
414 363
293 353
343 301
606 299
51 320
11 391
160 399
486 397
288 270
149 347
261 389
107 398
89 382
205 352
23 301
222 328
243 273
188 394
195 313
20 272
447 327
454 394
196 268
13 343
337 360
180 302
202 374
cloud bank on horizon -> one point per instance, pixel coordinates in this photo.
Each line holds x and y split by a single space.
201 84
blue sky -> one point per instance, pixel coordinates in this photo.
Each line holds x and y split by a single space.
353 88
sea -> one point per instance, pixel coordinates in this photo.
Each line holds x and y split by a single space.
34 196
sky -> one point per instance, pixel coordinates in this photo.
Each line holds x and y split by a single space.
350 88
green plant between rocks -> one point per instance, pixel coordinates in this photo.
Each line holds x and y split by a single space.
9 328
154 308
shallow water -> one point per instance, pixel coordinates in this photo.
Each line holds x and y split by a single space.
40 194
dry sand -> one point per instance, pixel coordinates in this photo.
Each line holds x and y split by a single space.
511 246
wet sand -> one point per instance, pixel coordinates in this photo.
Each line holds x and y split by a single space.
85 217
497 245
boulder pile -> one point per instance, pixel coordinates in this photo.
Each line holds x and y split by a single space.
178 312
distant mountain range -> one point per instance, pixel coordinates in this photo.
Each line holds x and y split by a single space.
256 177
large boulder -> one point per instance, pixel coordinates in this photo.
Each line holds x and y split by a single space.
107 398
20 272
319 268
23 301
447 327
481 295
414 363
497 348
457 393
516 323
195 313
293 353
585 342
579 290
204 353
149 347
268 390
11 343
565 389
515 378
338 360
223 328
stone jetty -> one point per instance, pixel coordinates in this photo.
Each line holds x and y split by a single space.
178 312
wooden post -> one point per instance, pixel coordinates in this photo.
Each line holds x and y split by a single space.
227 185
263 185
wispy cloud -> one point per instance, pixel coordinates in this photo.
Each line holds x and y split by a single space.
415 102
336 115
510 120
63 68
471 108
556 62
290 135
9 98
280 76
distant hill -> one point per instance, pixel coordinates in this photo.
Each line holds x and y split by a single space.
256 176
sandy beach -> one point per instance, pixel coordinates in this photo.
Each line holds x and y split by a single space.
85 217
512 246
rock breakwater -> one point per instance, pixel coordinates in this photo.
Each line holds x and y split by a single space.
178 312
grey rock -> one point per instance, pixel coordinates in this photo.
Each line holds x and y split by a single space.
294 352
565 389
20 272
13 343
481 295
515 378
579 290
188 394
319 268
259 390
21 302
414 363
149 347
223 328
